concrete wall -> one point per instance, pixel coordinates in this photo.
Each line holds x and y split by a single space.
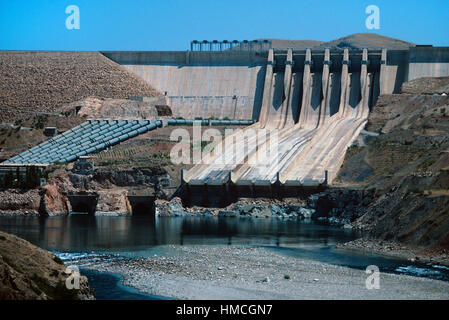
202 84
238 107
428 62
394 72
207 90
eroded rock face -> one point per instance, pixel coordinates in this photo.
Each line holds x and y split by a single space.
113 202
403 111
341 206
171 208
141 177
407 214
49 200
243 208
112 187
54 202
407 165
28 272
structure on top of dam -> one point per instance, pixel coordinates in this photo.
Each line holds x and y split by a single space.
312 104
245 45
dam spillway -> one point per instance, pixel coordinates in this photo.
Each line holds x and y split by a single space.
311 104
314 112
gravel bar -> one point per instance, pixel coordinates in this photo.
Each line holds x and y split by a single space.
234 272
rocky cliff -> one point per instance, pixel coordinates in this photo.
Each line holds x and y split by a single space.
405 168
31 273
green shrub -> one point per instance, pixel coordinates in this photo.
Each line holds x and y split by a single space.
40 121
414 189
57 292
58 260
427 163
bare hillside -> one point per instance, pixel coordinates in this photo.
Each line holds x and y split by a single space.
44 81
284 44
427 85
353 41
407 168
367 40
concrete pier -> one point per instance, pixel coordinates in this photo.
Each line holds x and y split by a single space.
284 112
267 89
344 91
324 111
306 88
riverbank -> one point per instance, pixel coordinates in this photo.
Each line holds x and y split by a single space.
233 272
398 250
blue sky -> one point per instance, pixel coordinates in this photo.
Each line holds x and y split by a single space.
171 24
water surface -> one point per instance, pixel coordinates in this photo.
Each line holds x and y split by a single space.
84 240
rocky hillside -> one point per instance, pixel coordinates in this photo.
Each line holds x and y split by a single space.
427 85
406 167
29 132
44 81
31 273
108 108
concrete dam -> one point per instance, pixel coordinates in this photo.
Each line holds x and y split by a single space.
311 115
312 105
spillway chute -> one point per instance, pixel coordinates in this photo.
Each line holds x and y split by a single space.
331 109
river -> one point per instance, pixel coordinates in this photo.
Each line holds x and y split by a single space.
84 240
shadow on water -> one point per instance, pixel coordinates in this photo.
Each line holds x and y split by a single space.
107 286
129 233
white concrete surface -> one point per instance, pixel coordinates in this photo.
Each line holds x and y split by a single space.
318 142
223 91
